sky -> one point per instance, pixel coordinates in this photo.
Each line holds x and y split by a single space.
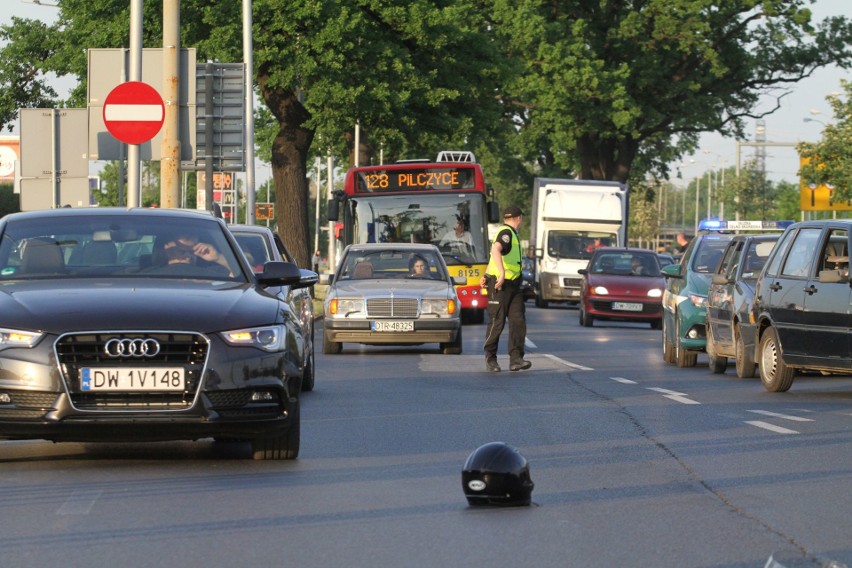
786 125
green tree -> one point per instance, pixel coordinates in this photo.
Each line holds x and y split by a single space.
612 86
10 202
418 75
830 160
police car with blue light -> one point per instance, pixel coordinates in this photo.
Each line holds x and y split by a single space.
687 284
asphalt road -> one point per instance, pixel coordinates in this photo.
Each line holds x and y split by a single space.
636 463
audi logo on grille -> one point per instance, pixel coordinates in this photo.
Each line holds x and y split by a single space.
132 348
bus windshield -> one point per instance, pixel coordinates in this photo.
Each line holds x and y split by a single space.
454 223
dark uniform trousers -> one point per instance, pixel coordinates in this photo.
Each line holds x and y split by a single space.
508 302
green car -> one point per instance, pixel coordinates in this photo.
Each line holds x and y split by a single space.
685 298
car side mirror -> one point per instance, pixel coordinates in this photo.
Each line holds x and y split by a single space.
671 271
583 271
277 273
720 279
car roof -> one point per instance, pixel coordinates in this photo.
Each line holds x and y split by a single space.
108 211
625 249
250 229
384 246
823 223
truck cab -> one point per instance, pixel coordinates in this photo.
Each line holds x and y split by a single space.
570 220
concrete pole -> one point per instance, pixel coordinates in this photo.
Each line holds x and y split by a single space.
170 146
317 214
134 172
332 252
248 58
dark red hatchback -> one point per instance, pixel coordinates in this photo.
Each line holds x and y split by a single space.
622 284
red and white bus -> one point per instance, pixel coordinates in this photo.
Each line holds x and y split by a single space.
445 202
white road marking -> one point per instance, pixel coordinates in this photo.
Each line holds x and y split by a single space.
784 416
79 503
567 363
623 381
680 397
529 343
771 427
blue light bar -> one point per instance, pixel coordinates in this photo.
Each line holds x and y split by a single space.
717 225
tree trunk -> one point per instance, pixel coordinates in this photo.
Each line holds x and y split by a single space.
606 160
289 170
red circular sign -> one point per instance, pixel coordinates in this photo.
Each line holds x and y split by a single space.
134 112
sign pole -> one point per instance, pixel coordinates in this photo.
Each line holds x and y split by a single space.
134 172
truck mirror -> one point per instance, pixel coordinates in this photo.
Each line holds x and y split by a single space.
333 208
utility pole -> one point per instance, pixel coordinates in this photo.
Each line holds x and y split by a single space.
134 173
170 146
248 59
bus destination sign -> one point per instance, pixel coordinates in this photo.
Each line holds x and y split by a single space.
415 179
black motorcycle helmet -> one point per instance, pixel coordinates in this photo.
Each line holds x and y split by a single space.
496 474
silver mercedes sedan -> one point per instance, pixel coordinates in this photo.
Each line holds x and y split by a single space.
392 294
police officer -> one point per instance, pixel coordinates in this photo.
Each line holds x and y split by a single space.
505 298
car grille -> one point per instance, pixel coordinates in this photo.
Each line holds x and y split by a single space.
572 282
75 351
392 307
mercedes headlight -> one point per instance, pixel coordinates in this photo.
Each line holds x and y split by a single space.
445 307
346 307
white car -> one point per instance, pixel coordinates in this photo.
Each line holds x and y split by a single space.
383 294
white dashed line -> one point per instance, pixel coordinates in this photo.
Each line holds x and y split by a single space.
784 416
674 395
528 343
567 363
623 381
771 427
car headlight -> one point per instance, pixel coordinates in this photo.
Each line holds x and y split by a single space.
600 290
345 307
550 264
655 293
698 300
268 338
439 307
18 338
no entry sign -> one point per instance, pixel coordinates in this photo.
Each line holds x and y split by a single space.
134 112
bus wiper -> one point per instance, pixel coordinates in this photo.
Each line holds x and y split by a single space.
457 259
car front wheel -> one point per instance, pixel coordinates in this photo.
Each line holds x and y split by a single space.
330 347
683 357
745 360
717 363
453 347
285 447
774 374
668 346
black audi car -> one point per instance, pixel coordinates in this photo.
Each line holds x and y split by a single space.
145 325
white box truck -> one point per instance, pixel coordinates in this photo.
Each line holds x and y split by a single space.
570 218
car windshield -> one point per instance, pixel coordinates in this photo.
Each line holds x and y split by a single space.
392 263
120 245
625 263
755 257
708 254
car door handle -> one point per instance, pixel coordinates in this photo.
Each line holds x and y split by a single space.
810 290
775 286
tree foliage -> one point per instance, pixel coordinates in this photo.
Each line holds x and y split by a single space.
613 84
829 161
